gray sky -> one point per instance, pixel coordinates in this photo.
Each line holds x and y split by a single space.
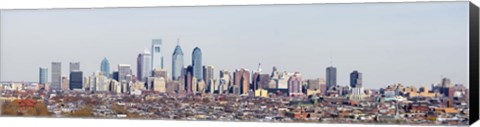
409 43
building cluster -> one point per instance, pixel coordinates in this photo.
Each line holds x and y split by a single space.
193 92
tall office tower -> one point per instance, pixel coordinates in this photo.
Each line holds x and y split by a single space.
177 62
157 56
76 80
123 71
242 80
445 86
331 77
98 82
208 74
144 69
260 81
188 80
56 76
224 83
140 67
356 79
197 63
295 84
43 76
74 66
446 82
160 73
115 75
255 80
105 67
282 82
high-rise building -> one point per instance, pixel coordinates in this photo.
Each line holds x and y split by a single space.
225 81
242 80
260 81
76 80
140 67
282 80
123 71
197 63
157 56
144 69
74 66
177 62
188 80
115 75
331 77
43 76
208 72
295 84
56 76
105 67
356 79
98 82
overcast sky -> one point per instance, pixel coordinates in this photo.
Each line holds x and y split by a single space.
409 43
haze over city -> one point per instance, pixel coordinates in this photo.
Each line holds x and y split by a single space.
413 44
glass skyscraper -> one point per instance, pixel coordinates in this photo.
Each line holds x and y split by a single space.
145 63
157 57
356 79
105 67
43 76
197 63
331 77
177 62
76 80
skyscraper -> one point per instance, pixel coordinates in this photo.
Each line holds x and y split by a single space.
105 67
43 76
177 62
331 77
295 84
208 74
140 66
241 80
144 69
197 63
76 80
157 56
74 66
188 80
123 71
356 79
56 76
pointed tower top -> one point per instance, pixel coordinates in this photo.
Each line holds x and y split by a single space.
178 41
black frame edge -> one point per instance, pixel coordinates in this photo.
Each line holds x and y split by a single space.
474 62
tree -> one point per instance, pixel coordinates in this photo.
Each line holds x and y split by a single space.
9 109
83 112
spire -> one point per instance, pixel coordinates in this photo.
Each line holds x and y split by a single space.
259 69
331 61
178 41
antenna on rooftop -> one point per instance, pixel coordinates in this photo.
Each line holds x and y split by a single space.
331 61
178 41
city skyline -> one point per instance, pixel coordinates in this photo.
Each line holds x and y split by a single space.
408 61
